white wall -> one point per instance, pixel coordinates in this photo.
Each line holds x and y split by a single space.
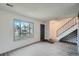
6 31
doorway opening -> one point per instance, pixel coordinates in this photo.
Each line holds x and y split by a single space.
42 32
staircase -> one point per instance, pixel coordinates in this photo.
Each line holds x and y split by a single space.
67 28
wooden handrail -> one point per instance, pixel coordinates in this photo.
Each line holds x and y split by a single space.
66 24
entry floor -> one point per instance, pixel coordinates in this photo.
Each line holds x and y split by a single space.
47 49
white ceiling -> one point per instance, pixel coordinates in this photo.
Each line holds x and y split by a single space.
44 11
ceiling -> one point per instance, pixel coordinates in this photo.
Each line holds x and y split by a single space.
44 11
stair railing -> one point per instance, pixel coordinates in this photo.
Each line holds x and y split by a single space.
67 26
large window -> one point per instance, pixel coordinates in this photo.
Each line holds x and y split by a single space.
23 29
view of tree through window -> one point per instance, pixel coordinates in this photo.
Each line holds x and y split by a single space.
22 29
